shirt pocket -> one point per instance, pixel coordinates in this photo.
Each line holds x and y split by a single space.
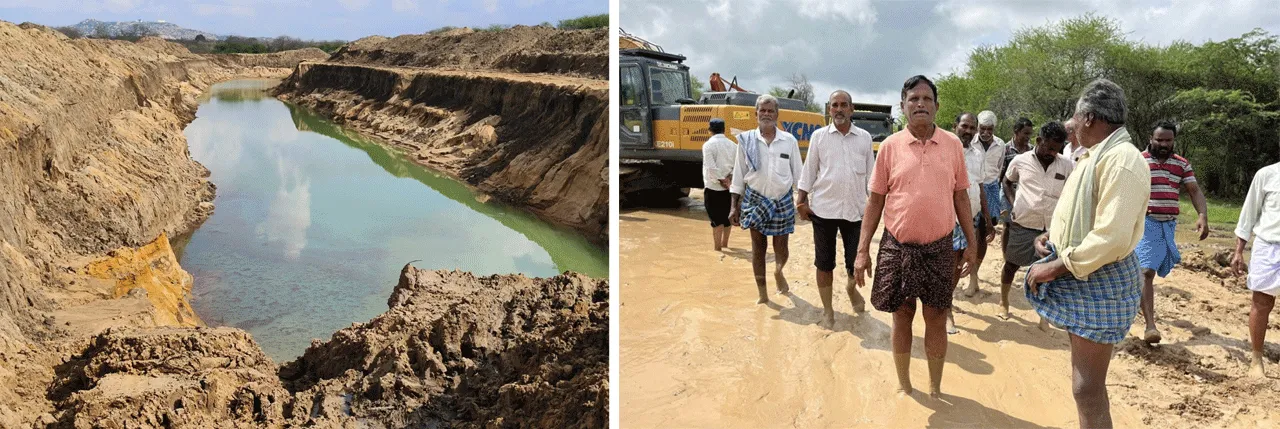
782 167
1053 185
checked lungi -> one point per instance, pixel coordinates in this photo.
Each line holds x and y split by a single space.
770 217
995 201
1100 309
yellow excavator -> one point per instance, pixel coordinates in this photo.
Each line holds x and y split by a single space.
663 127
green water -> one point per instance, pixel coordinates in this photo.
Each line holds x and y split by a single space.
313 223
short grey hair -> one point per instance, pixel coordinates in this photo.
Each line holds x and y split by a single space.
1105 100
766 98
840 91
987 117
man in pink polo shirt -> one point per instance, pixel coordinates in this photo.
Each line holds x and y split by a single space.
920 186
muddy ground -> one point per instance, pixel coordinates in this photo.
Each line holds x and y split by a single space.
697 351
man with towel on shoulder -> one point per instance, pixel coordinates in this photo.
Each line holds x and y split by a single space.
1040 175
766 171
1089 283
1260 219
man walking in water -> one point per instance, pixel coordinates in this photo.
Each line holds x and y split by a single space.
717 168
1158 251
1090 283
833 195
920 186
1260 219
766 169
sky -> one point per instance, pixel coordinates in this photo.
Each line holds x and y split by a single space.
870 48
306 19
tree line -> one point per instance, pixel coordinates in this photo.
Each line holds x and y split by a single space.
585 22
1224 96
203 45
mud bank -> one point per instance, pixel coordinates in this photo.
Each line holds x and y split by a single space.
95 330
538 141
453 350
519 49
96 177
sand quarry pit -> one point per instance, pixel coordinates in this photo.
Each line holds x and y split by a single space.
696 351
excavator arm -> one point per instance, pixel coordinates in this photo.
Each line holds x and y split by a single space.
718 84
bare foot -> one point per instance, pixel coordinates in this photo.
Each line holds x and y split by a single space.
1152 336
1004 314
1044 325
718 248
972 290
859 304
951 324
1255 369
828 319
763 300
783 287
905 391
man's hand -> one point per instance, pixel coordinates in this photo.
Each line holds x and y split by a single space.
733 216
1042 245
1237 264
1043 273
802 209
1202 226
970 260
991 230
726 183
861 268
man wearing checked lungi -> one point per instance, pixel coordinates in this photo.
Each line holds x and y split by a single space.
1157 252
920 186
769 161
1089 282
1260 218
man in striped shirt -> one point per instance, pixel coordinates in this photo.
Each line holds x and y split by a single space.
1157 252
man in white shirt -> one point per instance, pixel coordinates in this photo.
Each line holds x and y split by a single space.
993 149
717 167
1040 175
766 169
966 129
1072 150
833 195
976 162
1260 219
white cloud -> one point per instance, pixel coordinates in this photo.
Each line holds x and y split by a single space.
869 48
289 213
404 5
354 4
853 11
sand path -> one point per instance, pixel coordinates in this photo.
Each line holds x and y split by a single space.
698 352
